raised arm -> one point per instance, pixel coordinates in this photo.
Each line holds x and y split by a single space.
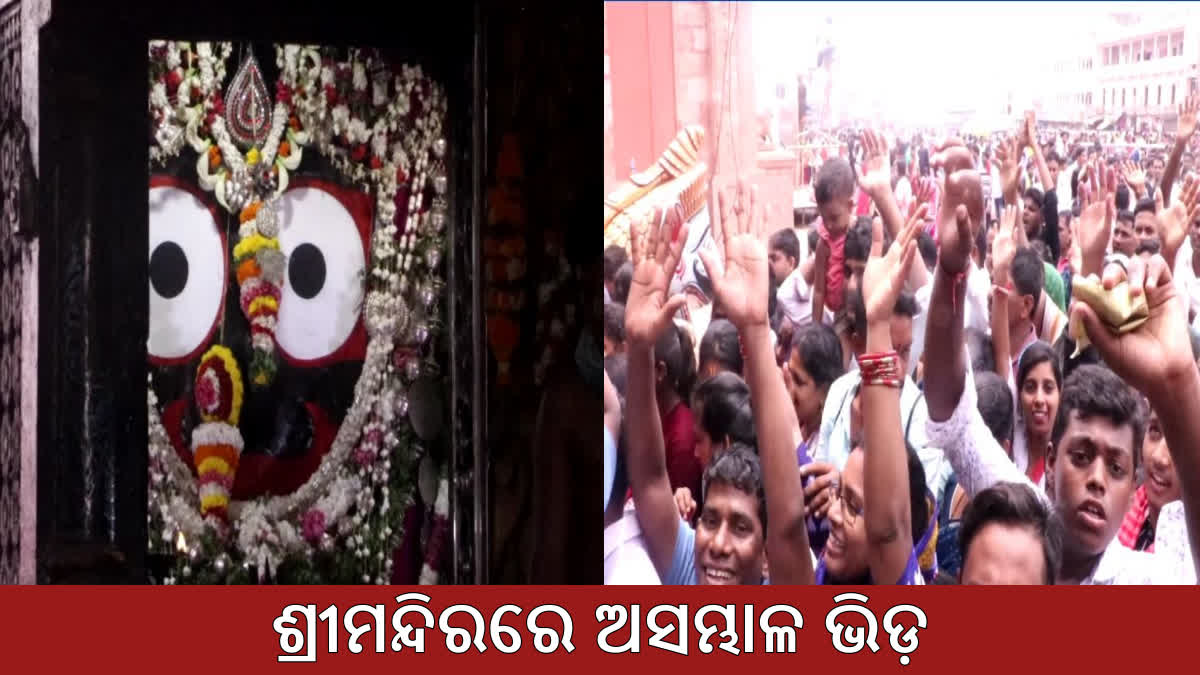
1043 171
1173 223
655 247
1184 130
1135 178
1049 189
947 303
886 508
954 423
1156 359
1009 154
874 177
1095 222
741 287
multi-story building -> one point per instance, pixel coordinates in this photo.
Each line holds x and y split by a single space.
1147 65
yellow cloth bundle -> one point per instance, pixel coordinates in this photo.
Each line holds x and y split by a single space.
1119 311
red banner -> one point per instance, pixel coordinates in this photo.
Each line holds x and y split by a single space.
588 629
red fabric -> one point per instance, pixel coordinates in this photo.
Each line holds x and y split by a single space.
1135 517
1036 471
864 204
835 273
683 468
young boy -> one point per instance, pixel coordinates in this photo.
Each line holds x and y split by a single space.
834 192
1008 536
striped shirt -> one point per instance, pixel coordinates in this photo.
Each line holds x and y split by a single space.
1135 522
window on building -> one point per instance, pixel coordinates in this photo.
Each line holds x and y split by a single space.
1089 98
1103 98
1137 52
1160 94
1172 94
1125 53
1122 98
1146 95
1147 49
1162 46
1177 44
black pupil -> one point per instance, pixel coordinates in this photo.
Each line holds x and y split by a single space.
306 270
168 269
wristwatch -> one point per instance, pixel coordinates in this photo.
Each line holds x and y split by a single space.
1117 259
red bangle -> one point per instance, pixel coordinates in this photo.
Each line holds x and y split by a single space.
881 369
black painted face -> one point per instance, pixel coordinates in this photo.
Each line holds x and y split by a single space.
288 425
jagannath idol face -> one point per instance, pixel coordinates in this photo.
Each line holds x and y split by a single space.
289 423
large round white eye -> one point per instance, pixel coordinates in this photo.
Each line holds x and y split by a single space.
323 285
187 275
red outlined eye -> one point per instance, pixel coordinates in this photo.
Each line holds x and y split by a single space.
187 272
323 230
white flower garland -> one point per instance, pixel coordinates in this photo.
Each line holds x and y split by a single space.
178 122
266 528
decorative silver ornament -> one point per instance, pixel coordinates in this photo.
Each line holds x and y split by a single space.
267 219
427 295
420 333
221 563
437 222
412 369
433 257
439 148
238 190
400 402
187 570
326 543
439 184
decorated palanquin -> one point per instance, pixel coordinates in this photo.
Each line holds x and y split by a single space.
680 176
294 265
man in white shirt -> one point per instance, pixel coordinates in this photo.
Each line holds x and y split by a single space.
1096 451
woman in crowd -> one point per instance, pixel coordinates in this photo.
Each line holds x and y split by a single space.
719 350
814 362
1039 381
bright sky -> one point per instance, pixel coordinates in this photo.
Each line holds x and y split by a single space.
893 52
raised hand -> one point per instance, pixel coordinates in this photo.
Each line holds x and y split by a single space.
1010 236
1173 221
1095 221
884 274
874 174
742 285
1188 113
656 243
1156 355
1029 130
922 193
1009 154
1135 177
685 503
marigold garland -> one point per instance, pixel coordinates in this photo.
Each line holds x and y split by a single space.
226 405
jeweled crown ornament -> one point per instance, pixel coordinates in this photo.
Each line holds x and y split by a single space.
248 105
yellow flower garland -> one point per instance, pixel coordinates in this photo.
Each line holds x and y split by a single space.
235 377
253 244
